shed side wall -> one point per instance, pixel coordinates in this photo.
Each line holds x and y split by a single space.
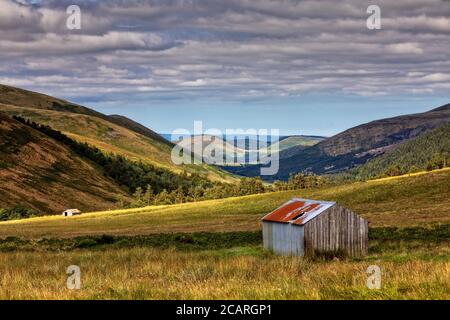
283 238
335 229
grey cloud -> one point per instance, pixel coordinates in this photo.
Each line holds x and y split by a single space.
234 49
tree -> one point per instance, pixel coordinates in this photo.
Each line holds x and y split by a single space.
438 161
251 186
138 198
393 171
149 195
163 198
280 185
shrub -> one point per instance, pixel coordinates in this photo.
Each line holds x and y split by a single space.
16 213
86 243
105 239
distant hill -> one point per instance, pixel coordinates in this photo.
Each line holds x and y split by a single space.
291 144
414 153
39 173
202 146
385 132
241 146
355 146
116 134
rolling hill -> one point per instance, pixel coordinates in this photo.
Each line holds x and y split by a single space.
289 145
397 201
414 154
241 147
116 134
39 173
355 146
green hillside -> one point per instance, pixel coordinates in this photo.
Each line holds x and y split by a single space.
427 151
293 141
292 144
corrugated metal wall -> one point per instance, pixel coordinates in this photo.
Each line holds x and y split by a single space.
335 229
283 238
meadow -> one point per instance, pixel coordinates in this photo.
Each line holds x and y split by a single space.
415 270
403 201
212 249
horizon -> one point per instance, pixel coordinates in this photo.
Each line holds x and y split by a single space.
283 133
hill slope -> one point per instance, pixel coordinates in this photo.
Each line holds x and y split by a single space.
137 127
414 153
115 133
292 144
39 173
356 145
395 202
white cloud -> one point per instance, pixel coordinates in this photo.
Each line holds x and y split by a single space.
405 48
437 77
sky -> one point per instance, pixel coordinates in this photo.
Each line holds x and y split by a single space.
303 67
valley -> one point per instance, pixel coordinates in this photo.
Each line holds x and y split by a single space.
203 240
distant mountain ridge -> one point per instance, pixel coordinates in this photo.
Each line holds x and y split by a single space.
356 145
380 133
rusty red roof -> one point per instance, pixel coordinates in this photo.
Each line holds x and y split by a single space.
298 211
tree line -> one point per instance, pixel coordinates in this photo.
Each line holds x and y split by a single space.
246 186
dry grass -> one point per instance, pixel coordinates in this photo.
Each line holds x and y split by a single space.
237 273
410 269
405 201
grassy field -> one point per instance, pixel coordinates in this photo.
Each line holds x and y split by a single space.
404 201
410 271
158 253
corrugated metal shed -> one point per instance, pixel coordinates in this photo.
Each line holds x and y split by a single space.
298 211
303 226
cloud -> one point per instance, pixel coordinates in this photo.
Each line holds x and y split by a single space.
235 49
405 48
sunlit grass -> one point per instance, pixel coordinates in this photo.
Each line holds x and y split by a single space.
405 201
235 273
